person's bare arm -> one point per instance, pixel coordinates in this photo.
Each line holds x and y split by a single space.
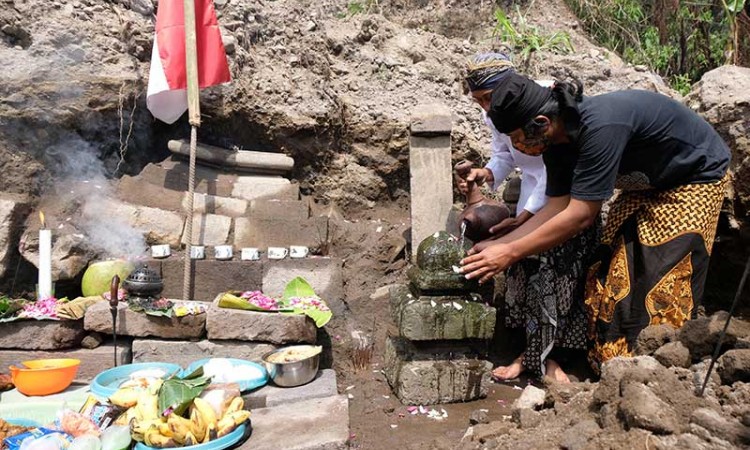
576 217
553 207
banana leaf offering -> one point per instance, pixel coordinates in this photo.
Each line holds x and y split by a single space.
176 394
298 298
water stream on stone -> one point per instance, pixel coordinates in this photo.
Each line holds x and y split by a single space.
463 232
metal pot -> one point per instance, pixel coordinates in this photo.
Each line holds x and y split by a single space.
292 374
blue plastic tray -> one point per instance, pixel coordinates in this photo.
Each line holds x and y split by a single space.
245 385
217 444
108 382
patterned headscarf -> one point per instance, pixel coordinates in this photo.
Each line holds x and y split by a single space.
485 70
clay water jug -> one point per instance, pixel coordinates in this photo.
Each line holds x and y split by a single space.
480 213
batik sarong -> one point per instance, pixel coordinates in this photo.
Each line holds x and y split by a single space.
545 298
651 266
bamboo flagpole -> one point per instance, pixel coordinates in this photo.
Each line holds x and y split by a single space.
194 117
175 79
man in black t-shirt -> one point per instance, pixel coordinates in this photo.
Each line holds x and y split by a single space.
670 166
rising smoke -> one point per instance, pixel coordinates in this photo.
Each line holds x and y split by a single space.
78 163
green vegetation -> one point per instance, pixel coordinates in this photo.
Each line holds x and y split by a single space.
525 39
679 39
358 7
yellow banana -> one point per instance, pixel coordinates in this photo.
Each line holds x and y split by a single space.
147 406
236 404
226 425
165 430
180 428
190 439
210 433
126 417
206 411
238 417
139 428
153 438
124 398
197 425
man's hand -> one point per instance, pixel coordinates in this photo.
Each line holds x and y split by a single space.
469 174
488 262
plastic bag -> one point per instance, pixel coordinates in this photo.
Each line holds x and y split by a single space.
24 440
219 396
75 424
86 442
116 437
100 413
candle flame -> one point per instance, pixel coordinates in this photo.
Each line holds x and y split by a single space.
41 219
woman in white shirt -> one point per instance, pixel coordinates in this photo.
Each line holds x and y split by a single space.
545 294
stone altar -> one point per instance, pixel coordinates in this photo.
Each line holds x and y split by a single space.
439 352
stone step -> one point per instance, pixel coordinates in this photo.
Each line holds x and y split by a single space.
318 424
129 323
324 274
209 229
435 373
214 204
93 361
324 385
184 352
136 190
243 160
258 187
173 174
279 209
41 334
276 328
452 317
210 277
157 225
280 232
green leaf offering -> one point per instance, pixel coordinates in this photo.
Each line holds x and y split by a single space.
176 394
298 287
300 296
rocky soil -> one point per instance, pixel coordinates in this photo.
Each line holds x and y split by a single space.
333 86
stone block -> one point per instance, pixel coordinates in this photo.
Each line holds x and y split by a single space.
279 209
136 191
253 187
93 361
276 328
41 334
324 385
157 225
325 275
214 204
318 424
441 317
431 185
431 120
246 160
211 277
210 229
12 210
173 174
129 323
282 232
184 353
435 373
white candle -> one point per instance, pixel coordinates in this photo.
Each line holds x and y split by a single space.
45 262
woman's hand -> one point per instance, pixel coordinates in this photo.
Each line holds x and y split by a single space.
510 224
488 261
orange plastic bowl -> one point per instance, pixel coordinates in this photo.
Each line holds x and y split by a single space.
44 376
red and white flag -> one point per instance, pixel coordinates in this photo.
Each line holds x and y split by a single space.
167 83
